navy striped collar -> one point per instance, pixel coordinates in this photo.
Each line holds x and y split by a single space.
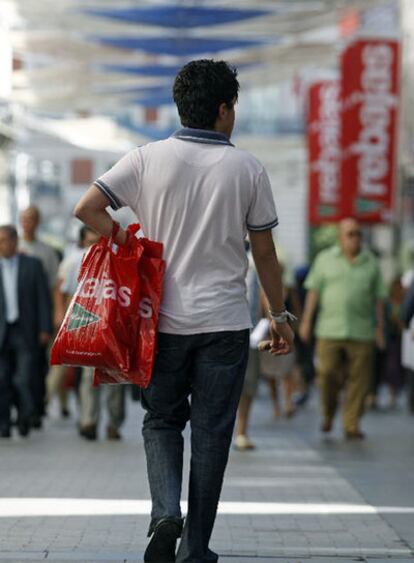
206 136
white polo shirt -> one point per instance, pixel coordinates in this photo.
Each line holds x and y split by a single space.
198 195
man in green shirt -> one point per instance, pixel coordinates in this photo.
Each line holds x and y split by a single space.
346 287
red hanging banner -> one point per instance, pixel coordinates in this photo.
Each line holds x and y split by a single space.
324 151
369 96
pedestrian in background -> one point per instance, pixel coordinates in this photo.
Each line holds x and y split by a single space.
304 351
346 286
279 371
394 372
262 363
198 195
30 244
90 396
407 343
25 324
252 375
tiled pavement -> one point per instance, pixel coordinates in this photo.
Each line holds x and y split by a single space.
295 498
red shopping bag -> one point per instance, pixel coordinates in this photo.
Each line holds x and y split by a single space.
103 313
151 269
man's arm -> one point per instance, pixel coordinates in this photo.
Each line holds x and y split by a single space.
269 273
380 294
91 210
379 324
311 302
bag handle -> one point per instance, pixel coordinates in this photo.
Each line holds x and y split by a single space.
133 228
115 230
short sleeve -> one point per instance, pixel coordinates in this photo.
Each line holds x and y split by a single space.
262 213
314 280
121 184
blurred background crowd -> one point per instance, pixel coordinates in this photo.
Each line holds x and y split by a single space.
325 104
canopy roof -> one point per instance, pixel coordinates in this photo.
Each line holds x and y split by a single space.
95 55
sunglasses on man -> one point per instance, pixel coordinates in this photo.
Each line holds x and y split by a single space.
354 234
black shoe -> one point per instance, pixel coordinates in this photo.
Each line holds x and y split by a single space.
23 427
354 435
5 432
88 432
112 433
161 548
326 425
65 413
36 422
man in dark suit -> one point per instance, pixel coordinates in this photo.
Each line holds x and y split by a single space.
25 324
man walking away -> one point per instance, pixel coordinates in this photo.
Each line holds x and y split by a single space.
199 195
25 323
345 283
30 244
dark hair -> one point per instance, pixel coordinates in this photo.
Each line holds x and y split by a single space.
199 89
10 230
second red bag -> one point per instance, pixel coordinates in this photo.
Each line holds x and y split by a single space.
151 269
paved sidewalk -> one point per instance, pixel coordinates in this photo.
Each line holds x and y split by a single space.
295 498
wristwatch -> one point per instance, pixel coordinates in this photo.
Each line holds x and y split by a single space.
282 317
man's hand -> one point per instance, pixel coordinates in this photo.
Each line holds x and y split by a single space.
379 338
282 338
44 338
121 236
305 331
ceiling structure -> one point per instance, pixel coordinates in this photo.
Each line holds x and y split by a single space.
98 55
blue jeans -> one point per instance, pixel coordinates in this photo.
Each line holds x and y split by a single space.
210 367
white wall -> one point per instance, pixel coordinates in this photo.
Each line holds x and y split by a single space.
285 161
